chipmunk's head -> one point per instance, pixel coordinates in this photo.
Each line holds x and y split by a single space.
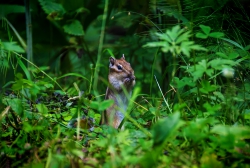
121 73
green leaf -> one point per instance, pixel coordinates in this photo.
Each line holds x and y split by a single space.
15 104
186 47
27 127
12 46
183 82
109 51
210 160
74 28
101 106
223 55
7 9
174 33
216 34
198 47
199 69
239 132
233 55
52 7
220 64
164 37
207 87
82 10
105 104
212 109
205 29
183 37
42 108
233 42
77 152
201 35
164 128
24 68
156 44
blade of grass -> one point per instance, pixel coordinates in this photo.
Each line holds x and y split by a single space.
25 70
73 74
163 95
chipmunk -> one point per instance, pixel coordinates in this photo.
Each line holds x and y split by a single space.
121 75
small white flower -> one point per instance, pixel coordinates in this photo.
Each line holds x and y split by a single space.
228 72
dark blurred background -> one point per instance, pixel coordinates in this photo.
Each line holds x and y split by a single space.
60 46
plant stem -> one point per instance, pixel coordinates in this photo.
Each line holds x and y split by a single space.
28 32
104 17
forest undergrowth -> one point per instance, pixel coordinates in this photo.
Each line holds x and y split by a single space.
200 118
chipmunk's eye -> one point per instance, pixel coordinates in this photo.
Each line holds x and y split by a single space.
119 67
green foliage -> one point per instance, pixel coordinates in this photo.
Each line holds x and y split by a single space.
175 41
12 46
195 113
51 7
74 28
8 9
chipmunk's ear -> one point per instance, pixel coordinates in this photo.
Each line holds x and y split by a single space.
123 57
111 61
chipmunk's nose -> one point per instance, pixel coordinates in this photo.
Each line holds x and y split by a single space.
132 77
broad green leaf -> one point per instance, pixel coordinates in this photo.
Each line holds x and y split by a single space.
233 55
164 128
216 34
101 106
220 64
207 87
201 35
15 104
42 108
74 28
205 29
52 7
